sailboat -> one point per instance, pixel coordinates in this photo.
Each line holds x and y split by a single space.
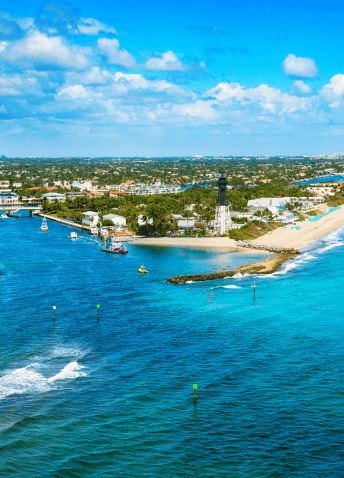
44 226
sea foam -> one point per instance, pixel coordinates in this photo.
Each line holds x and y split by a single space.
28 380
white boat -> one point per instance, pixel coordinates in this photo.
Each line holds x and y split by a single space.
44 226
4 216
94 231
73 235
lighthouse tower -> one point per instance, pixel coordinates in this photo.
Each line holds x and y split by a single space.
222 216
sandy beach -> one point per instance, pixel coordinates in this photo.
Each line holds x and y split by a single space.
193 242
307 232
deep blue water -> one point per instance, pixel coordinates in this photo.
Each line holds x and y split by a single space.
115 398
327 179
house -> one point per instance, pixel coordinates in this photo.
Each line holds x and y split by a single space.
8 199
17 185
116 219
186 224
51 197
4 184
87 218
275 205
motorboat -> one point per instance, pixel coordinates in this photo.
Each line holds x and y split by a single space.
73 235
44 226
115 246
4 216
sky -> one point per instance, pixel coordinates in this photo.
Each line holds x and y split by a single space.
171 78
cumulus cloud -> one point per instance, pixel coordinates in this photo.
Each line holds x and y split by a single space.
302 87
268 98
335 87
110 49
44 53
299 66
90 26
75 92
164 62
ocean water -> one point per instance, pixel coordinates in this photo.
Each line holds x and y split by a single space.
114 398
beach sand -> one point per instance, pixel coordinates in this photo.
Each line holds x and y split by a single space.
309 231
194 242
284 237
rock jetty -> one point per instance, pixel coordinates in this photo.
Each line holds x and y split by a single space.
265 267
276 249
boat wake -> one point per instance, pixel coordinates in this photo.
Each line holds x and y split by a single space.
29 380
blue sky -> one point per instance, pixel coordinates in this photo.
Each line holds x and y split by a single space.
171 78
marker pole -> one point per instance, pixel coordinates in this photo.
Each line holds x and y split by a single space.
98 307
195 388
54 307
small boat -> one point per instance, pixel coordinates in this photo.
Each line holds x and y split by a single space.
73 235
115 246
142 270
4 216
104 231
94 231
44 226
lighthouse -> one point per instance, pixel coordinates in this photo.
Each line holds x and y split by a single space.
222 216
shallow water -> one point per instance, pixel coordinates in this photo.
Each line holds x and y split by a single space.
114 398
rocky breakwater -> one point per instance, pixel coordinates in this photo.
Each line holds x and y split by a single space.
276 249
265 267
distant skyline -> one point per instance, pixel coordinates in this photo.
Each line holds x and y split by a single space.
171 78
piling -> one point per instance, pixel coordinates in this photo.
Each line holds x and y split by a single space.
54 307
194 389
98 307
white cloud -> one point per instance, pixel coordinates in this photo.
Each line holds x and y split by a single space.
302 87
200 109
90 26
75 92
3 109
3 45
45 53
299 66
115 56
167 62
269 98
335 87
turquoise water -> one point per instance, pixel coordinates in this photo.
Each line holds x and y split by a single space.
114 398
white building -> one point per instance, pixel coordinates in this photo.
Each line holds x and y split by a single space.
87 218
117 220
275 205
8 199
51 197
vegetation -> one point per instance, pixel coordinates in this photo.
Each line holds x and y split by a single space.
252 230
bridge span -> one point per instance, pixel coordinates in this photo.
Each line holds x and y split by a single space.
21 207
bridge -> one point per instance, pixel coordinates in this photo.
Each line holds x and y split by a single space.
21 207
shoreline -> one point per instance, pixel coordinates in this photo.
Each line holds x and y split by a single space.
296 236
269 266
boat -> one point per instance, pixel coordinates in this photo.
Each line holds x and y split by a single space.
44 226
73 235
115 246
94 231
4 216
142 270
